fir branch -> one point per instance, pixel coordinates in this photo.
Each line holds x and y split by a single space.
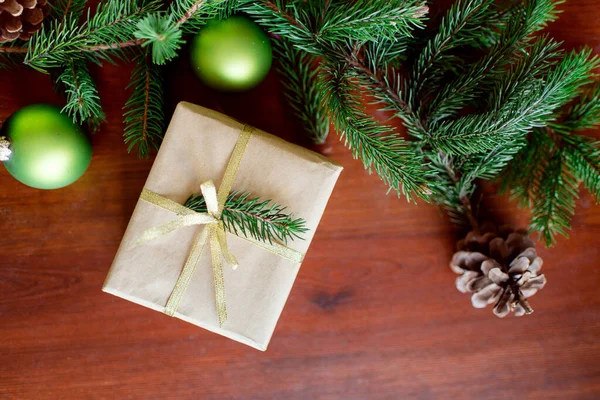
525 170
375 145
365 20
519 103
285 20
554 203
472 83
115 46
163 34
446 187
55 44
582 115
462 22
300 83
264 220
144 114
192 15
108 33
488 166
390 92
114 24
83 102
583 156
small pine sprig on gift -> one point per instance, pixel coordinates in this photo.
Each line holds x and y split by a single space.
264 220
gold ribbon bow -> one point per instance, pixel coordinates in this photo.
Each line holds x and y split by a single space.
214 232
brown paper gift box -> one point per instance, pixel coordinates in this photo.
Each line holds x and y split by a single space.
196 148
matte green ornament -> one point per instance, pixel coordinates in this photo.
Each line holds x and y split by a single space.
43 148
233 54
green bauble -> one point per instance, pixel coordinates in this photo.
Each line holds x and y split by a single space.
47 150
232 55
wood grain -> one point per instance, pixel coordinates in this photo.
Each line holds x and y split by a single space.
374 313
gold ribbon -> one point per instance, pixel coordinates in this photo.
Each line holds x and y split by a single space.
214 232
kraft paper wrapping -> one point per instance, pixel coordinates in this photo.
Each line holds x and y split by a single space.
196 148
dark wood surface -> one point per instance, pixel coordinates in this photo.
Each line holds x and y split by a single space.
374 313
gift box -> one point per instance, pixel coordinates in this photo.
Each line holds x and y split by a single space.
198 147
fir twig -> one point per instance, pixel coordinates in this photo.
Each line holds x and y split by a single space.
108 33
377 146
83 102
264 220
300 83
365 20
162 34
144 115
192 15
521 102
554 203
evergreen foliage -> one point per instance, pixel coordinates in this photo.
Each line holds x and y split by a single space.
300 81
482 94
83 102
144 111
261 219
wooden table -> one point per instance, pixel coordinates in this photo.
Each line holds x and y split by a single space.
374 313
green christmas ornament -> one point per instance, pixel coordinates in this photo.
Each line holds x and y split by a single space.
43 148
233 54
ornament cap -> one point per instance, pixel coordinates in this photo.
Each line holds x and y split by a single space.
5 150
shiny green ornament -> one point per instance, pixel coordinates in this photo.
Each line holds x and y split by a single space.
43 148
231 55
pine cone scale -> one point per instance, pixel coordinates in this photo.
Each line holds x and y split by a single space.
19 19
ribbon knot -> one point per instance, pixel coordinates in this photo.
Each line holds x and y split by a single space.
214 232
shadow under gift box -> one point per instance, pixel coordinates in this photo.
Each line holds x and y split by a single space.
196 148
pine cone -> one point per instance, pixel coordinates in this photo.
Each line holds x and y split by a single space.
19 19
498 266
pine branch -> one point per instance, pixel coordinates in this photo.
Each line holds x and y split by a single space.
583 115
55 44
554 203
83 102
114 24
163 34
478 79
163 31
519 103
525 170
447 188
582 154
192 15
462 22
105 35
144 111
390 92
263 220
300 84
287 20
365 20
375 145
